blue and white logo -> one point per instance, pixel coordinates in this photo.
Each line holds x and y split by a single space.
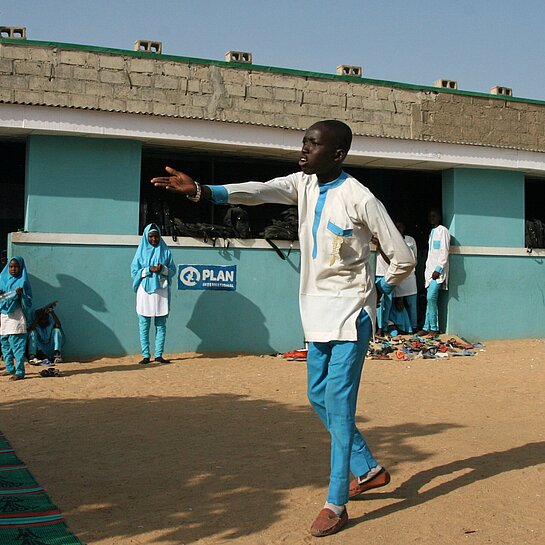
207 277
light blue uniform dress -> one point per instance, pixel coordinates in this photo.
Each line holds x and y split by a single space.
14 318
337 297
152 289
48 339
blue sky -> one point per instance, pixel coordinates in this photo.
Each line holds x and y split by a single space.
479 43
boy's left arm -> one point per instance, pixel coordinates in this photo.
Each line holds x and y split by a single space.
55 319
402 261
442 259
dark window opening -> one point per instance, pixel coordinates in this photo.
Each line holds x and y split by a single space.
12 189
207 168
534 212
408 195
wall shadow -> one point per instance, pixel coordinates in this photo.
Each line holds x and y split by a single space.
217 466
75 300
480 467
217 320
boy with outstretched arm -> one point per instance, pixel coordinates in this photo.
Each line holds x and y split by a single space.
337 217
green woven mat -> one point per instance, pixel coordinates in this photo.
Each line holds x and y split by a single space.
27 515
18 481
7 460
54 534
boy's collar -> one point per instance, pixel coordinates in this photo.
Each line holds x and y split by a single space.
334 183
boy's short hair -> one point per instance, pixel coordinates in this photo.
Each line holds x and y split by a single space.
341 131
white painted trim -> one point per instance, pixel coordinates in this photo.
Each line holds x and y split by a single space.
187 242
252 139
496 251
81 239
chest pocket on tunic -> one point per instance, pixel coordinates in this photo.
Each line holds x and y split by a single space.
339 237
436 244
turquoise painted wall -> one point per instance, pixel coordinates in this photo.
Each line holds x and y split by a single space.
493 297
82 185
484 207
490 297
97 304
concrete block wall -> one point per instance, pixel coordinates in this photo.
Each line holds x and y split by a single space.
122 81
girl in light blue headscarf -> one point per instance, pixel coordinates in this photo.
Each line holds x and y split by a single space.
152 269
15 306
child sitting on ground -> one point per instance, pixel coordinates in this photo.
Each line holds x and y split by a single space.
45 336
14 307
399 321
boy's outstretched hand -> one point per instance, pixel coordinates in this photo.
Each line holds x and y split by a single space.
177 182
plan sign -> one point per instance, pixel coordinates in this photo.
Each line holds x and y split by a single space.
207 277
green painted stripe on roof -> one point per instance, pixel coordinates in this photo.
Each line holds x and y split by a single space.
272 69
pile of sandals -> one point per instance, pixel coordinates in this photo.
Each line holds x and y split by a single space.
415 347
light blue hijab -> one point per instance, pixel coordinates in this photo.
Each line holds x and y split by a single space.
148 255
10 283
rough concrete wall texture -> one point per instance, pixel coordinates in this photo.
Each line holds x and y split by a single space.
55 75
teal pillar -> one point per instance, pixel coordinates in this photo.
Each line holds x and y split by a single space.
484 207
489 296
82 185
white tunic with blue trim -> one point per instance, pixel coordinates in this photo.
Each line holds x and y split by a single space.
438 252
336 222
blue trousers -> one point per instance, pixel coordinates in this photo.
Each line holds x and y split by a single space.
383 311
49 349
160 334
411 304
432 313
334 371
13 349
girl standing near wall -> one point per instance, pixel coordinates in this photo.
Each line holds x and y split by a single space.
18 303
152 270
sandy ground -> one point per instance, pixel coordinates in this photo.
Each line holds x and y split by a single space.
225 449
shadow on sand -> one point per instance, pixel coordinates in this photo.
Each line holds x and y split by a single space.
216 466
475 469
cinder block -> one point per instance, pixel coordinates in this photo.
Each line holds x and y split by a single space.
178 70
446 83
6 95
243 57
111 62
30 68
13 32
170 110
28 97
87 74
349 70
112 104
141 65
113 76
78 58
83 101
500 90
6 66
148 46
166 82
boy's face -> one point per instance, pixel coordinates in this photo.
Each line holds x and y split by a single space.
154 238
14 268
434 218
320 154
43 319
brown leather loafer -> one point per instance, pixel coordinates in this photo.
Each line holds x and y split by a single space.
382 478
327 523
